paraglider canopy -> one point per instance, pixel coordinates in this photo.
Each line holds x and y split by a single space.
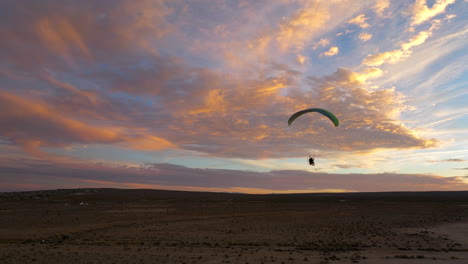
324 112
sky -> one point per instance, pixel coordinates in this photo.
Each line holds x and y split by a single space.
195 95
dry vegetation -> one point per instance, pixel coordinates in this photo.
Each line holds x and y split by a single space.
149 226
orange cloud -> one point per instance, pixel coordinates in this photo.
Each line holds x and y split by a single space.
416 40
213 102
146 22
76 34
20 111
369 111
381 6
33 124
295 32
391 57
60 36
320 43
369 73
131 96
301 27
421 12
360 21
331 52
365 36
148 143
398 55
301 59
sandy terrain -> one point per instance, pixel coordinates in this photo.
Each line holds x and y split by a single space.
144 226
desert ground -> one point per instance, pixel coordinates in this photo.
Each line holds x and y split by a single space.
153 226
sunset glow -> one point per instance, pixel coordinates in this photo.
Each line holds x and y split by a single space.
195 95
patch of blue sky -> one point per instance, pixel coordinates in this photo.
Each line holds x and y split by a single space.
211 163
104 153
116 155
124 96
350 49
459 121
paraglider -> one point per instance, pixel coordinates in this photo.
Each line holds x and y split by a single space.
324 112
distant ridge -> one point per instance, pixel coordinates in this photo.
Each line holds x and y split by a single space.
138 194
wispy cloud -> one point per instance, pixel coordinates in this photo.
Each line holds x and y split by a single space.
404 52
444 120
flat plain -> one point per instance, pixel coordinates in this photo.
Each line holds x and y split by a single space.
154 226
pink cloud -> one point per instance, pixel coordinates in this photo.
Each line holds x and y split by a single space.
33 124
66 36
93 74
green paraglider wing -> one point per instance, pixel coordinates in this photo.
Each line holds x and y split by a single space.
324 112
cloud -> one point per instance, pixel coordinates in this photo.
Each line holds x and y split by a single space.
214 121
331 52
17 114
448 160
321 43
391 57
418 66
303 23
450 118
362 109
373 113
398 55
360 21
368 74
450 17
405 50
453 160
79 33
365 36
348 166
421 12
108 83
169 176
301 27
33 124
347 31
416 40
381 6
301 59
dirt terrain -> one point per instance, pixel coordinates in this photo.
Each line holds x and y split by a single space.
151 226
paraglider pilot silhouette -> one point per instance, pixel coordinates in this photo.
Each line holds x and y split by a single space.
324 112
